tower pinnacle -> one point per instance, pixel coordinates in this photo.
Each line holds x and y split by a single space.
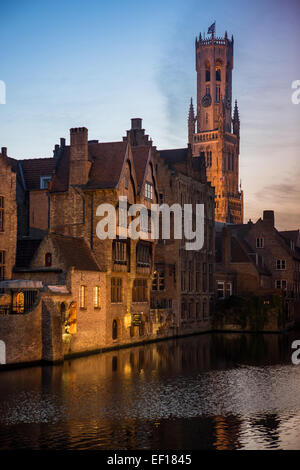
191 123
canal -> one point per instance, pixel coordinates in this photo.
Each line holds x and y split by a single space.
212 391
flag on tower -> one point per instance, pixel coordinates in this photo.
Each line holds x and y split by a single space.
212 28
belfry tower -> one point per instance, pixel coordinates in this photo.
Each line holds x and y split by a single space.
217 134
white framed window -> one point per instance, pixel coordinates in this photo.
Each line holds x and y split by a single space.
221 289
280 264
280 284
149 191
44 182
228 291
96 297
260 242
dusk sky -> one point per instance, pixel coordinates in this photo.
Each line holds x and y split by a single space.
99 63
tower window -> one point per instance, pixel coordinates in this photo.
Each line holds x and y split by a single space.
207 72
218 93
218 71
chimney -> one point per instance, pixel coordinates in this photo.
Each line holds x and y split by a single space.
4 151
136 123
226 246
62 142
79 164
269 218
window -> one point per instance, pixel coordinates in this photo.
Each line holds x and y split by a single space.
204 309
143 255
207 72
207 90
148 191
218 93
183 310
82 297
280 264
183 283
48 260
221 289
259 242
114 332
228 289
126 182
116 289
158 282
197 311
1 214
280 284
218 71
119 252
97 297
44 182
2 265
139 291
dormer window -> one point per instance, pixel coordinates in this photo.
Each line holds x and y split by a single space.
48 260
44 182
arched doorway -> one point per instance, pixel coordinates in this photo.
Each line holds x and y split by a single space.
115 329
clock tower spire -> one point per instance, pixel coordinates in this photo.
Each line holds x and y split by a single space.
215 138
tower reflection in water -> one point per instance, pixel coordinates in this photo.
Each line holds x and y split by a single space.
209 391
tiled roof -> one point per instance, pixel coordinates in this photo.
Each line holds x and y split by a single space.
34 168
75 252
25 252
140 157
175 155
292 235
108 159
107 162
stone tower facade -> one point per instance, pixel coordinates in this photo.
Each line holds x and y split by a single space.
214 133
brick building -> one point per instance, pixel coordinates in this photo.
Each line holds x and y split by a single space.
8 216
183 279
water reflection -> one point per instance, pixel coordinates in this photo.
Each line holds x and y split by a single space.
218 391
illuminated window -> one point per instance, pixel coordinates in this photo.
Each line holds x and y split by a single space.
116 289
20 302
1 214
221 289
97 297
2 265
82 297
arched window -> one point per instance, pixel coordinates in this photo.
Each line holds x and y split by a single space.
114 329
207 71
48 259
218 70
20 302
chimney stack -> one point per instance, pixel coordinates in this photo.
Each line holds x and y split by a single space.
79 164
226 246
269 218
4 151
136 123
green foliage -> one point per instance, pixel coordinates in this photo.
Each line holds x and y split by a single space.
248 311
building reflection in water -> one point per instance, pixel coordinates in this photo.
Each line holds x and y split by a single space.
204 392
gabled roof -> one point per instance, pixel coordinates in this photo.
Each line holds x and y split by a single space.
26 249
141 156
292 235
34 168
108 159
75 252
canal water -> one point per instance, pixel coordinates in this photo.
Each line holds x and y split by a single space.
212 391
